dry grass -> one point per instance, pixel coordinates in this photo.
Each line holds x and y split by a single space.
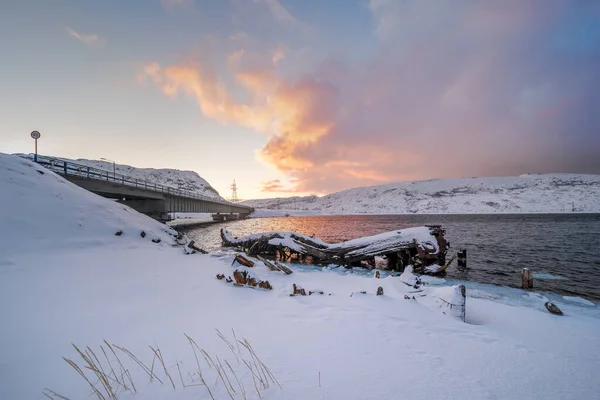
107 383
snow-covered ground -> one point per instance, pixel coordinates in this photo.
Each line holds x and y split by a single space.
547 193
66 278
184 180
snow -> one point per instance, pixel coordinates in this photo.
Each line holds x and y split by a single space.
182 219
544 193
579 300
61 283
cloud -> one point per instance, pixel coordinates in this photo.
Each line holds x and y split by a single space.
453 89
88 39
278 55
275 186
294 115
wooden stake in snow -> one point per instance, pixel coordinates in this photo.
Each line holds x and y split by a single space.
526 278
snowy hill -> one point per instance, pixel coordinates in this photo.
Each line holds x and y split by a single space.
184 180
547 193
42 210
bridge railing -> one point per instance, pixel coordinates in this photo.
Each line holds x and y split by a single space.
63 167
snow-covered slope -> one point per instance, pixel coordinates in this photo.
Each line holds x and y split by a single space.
547 193
184 180
39 210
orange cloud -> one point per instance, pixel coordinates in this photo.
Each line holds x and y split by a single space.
275 186
294 115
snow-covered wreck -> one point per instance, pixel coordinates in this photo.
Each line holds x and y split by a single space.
423 247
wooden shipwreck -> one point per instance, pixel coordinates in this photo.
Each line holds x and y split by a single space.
421 247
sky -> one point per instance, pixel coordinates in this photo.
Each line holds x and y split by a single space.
295 97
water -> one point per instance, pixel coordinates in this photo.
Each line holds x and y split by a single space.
563 250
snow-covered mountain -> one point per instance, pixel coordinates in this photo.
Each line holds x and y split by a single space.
185 180
532 193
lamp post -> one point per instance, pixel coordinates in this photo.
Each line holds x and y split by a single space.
35 135
114 167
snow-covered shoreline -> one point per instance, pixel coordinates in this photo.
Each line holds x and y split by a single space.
65 277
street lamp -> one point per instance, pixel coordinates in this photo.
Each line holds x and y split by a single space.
114 167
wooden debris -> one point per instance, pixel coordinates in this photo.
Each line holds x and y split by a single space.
220 276
400 248
193 246
156 240
268 264
552 308
298 291
526 278
379 291
118 233
283 268
440 270
462 258
311 292
243 260
265 285
377 274
187 249
243 278
240 277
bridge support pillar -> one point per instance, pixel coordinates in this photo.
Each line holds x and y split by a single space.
156 209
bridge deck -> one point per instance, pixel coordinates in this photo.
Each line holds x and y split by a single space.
147 197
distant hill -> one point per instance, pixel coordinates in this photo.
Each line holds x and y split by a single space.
185 180
532 193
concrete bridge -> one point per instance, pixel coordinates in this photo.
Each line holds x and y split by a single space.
150 198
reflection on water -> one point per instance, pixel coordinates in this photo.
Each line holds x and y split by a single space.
563 250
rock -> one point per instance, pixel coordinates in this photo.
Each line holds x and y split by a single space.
156 240
310 293
379 291
377 274
228 280
220 276
118 233
553 309
143 234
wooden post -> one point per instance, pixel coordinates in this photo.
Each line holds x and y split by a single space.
462 258
526 278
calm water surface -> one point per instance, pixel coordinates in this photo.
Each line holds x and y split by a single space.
563 250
